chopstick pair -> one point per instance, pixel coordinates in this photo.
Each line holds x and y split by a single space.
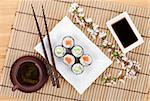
50 68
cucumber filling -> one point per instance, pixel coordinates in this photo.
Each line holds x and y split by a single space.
77 69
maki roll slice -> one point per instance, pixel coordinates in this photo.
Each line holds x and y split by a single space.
69 59
77 68
77 51
60 51
68 42
85 60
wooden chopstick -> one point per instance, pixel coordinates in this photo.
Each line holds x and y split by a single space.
49 68
50 47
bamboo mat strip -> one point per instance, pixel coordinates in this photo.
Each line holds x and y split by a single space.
25 37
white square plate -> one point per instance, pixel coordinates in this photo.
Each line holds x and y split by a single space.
100 61
134 29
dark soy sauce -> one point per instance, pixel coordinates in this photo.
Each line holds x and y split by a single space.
28 74
124 32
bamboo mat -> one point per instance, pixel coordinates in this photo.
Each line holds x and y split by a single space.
24 37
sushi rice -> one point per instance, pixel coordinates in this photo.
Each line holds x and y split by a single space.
60 51
85 60
73 55
77 68
68 42
77 51
69 59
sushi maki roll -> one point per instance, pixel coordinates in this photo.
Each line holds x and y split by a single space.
77 51
85 60
60 51
69 59
68 42
77 68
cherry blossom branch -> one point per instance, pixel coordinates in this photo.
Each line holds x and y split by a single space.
128 67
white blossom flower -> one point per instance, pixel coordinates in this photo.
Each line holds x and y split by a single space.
113 46
134 77
95 26
88 20
130 64
107 75
113 82
122 54
124 58
119 52
134 62
80 21
81 14
89 29
73 7
138 67
93 36
80 10
116 50
105 43
93 32
118 61
109 50
131 73
102 34
108 84
109 43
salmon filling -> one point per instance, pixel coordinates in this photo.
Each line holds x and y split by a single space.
68 42
68 60
86 58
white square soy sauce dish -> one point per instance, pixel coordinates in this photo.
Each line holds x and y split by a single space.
99 64
124 32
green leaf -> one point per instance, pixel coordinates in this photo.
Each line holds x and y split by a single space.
115 54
